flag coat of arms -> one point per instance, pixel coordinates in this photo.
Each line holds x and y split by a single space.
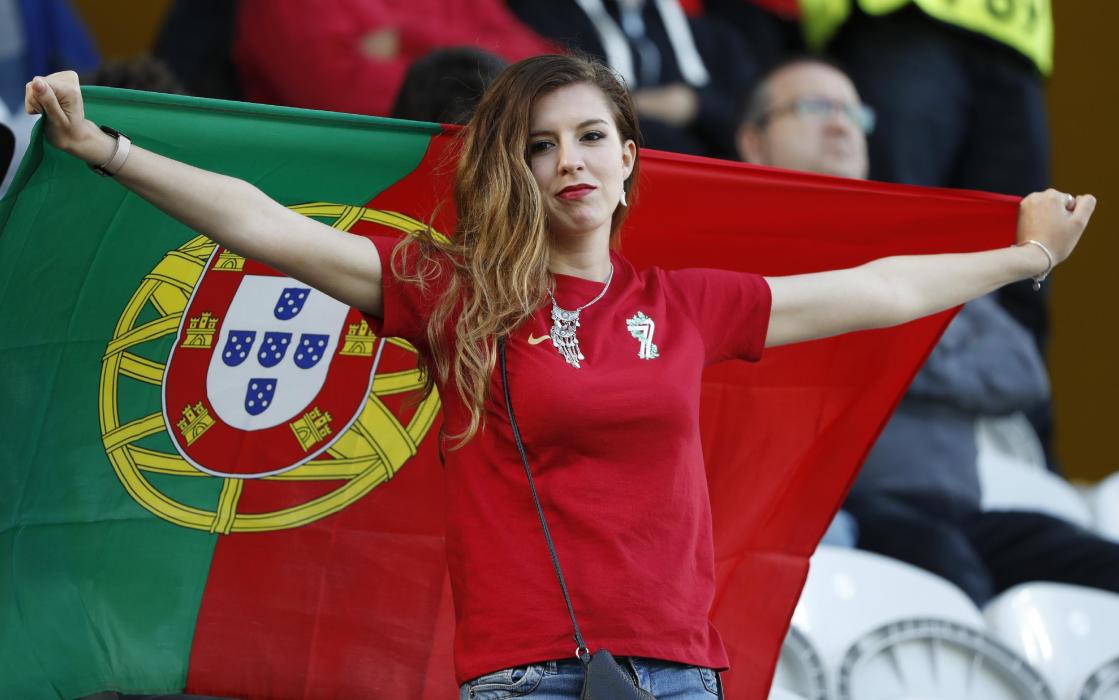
216 479
281 384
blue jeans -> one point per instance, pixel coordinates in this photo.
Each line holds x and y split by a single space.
563 680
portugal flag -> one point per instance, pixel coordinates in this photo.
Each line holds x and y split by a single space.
152 542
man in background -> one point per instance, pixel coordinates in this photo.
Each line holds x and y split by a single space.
806 115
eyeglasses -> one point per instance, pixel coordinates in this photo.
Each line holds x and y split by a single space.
862 116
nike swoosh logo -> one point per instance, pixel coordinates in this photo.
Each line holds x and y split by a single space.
537 341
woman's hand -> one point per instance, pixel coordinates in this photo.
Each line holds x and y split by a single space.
1054 219
59 98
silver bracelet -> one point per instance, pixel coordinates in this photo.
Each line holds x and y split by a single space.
1049 256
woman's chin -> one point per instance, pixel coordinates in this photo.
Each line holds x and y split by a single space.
578 232
578 226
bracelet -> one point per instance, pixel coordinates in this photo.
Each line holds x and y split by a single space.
120 154
1049 256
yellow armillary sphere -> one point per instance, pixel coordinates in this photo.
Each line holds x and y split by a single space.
369 452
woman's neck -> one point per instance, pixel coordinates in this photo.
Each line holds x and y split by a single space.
589 260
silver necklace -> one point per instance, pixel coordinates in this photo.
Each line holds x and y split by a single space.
566 323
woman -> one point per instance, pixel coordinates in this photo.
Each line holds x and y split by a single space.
604 363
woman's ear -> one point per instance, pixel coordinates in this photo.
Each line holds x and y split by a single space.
629 157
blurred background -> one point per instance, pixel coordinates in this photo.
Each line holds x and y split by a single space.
1082 98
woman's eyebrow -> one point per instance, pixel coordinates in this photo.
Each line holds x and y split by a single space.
580 125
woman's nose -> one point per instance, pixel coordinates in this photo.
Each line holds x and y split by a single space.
570 159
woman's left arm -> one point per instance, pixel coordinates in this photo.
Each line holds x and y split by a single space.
894 290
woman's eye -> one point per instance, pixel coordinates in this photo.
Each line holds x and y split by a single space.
593 136
538 147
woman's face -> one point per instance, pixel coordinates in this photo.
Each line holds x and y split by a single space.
578 159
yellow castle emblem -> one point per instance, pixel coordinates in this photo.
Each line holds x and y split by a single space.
196 420
311 428
359 340
200 331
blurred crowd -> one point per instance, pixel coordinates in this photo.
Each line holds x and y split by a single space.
925 92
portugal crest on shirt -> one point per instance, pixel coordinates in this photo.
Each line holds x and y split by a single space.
260 379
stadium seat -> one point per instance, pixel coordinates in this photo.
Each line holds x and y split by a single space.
777 693
1010 438
1104 501
800 671
1006 485
850 592
886 630
1066 632
935 659
1103 684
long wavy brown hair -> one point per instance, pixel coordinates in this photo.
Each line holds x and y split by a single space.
497 258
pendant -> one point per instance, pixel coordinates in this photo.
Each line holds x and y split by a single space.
564 325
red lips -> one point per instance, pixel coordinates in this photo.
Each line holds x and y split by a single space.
575 191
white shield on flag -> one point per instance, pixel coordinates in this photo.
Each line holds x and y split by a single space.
273 354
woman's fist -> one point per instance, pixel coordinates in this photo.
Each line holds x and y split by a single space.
58 97
1054 219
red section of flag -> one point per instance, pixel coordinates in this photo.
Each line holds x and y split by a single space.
357 604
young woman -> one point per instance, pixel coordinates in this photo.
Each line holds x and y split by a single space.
604 362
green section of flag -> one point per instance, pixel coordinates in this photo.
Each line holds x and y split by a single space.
97 592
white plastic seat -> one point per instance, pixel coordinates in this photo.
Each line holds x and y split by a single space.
777 693
1007 485
935 659
1103 684
800 671
887 630
1009 438
1104 500
1066 632
850 592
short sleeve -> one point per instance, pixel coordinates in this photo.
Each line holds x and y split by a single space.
406 308
730 309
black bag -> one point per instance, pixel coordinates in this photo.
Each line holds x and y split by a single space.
604 679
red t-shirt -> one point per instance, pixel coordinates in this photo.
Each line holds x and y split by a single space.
615 452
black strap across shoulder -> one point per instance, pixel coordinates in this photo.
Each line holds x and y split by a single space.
581 648
604 678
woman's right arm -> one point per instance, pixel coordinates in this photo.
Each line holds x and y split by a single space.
229 211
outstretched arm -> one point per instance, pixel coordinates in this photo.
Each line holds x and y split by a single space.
231 212
894 290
